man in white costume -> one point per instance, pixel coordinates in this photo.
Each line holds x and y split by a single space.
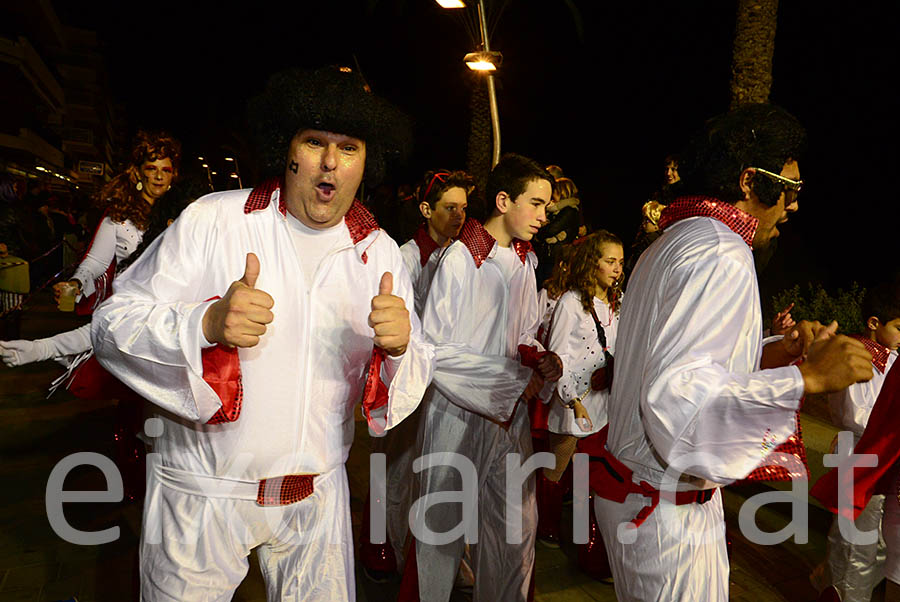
257 388
482 315
443 200
696 391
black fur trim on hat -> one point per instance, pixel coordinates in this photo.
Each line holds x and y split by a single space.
333 99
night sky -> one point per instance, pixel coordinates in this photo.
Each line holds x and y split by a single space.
607 106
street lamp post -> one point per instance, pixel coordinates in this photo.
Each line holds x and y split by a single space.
486 61
237 171
492 94
209 177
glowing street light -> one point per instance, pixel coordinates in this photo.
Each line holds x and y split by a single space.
237 171
483 61
209 176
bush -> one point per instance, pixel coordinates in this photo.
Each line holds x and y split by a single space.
817 304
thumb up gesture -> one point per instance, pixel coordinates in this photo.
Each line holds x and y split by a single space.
389 318
239 318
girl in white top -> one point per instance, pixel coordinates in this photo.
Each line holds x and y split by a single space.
583 334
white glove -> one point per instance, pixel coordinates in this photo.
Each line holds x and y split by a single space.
22 351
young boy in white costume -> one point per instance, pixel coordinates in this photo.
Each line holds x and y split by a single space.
855 569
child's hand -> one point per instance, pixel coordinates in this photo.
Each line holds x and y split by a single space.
582 418
783 322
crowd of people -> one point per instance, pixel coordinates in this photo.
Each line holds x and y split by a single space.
254 321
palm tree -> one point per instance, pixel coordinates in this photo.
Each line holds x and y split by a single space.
754 46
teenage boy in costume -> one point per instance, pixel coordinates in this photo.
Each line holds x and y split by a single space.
443 202
482 315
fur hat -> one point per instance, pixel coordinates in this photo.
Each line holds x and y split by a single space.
333 99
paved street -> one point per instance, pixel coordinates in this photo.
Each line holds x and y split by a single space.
36 564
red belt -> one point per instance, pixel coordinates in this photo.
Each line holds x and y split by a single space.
280 491
612 480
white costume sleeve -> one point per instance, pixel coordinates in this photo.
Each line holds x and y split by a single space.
566 341
850 408
147 334
483 383
410 253
694 402
71 342
98 257
406 376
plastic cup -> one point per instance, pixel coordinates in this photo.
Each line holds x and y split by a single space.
67 294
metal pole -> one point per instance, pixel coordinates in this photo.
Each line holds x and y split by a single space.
492 93
237 171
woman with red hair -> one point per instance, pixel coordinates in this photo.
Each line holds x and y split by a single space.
128 199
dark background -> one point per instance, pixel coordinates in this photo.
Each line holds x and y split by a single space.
607 105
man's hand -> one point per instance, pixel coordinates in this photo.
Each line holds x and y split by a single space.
834 363
783 322
239 318
801 336
389 318
550 366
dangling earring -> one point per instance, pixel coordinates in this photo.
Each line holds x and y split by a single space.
139 186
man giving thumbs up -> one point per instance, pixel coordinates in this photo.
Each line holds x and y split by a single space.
256 325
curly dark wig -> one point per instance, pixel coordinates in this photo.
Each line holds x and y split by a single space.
754 135
332 99
120 197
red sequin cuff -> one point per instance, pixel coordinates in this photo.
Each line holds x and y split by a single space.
375 393
222 372
529 356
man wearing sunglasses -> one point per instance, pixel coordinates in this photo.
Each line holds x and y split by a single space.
699 400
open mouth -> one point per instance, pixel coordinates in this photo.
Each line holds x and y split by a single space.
325 190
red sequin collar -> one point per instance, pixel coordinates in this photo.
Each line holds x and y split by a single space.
879 352
741 223
360 222
480 243
261 196
426 244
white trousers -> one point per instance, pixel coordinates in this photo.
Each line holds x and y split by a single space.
890 527
195 548
857 568
679 552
